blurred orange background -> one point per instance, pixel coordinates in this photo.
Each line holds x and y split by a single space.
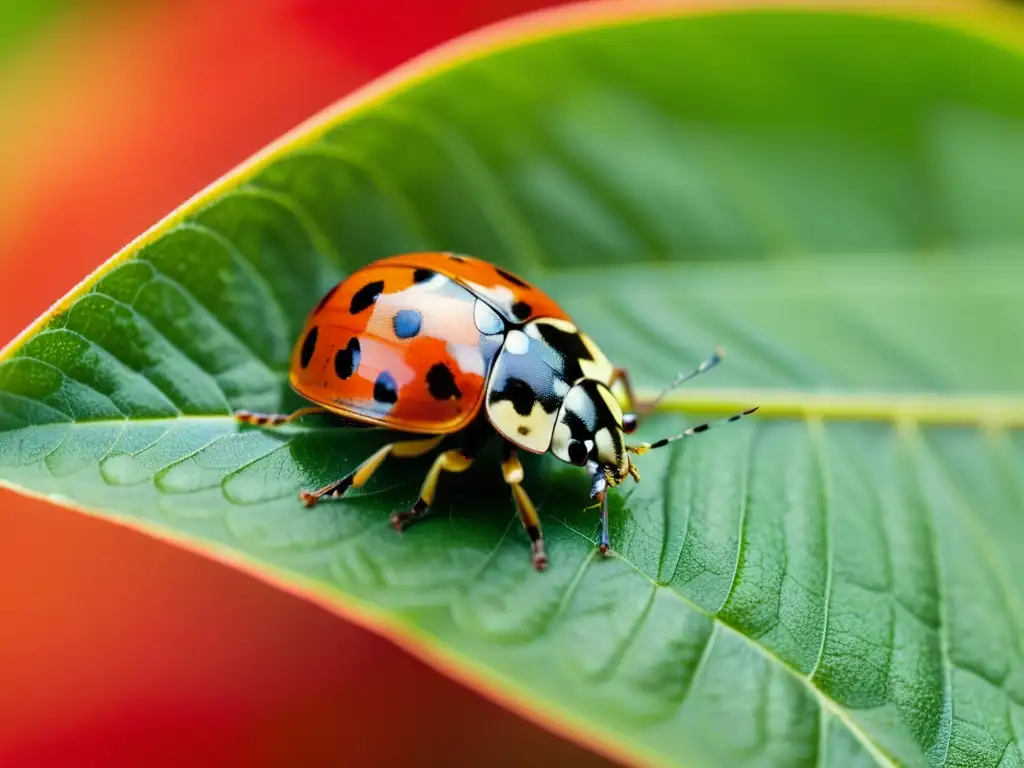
116 649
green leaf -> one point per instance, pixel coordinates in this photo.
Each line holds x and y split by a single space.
834 195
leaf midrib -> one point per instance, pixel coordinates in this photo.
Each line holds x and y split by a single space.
921 408
906 408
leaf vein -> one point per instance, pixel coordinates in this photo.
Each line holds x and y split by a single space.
273 299
509 224
151 327
208 311
619 653
327 150
702 661
741 528
109 353
817 435
290 203
69 377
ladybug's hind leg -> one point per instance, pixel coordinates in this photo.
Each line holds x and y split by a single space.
449 461
276 419
512 470
406 449
454 460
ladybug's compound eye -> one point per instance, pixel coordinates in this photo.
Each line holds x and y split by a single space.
629 423
578 452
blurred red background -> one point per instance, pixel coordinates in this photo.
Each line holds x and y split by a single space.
116 649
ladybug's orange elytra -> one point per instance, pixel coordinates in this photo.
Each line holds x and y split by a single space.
439 343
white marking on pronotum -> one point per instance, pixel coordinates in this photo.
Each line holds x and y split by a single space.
517 343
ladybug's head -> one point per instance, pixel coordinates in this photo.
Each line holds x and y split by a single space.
590 431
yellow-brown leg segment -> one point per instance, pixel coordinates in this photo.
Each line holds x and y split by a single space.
357 478
632 404
512 470
637 408
634 409
276 419
453 460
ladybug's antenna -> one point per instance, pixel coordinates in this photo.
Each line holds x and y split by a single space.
644 447
704 367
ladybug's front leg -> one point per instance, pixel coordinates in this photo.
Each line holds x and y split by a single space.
512 470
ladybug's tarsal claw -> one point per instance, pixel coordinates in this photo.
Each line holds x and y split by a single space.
605 541
402 520
309 499
603 548
540 557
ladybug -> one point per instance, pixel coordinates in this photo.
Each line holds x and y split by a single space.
438 343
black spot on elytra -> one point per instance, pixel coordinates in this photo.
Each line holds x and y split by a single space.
365 296
511 278
385 389
346 360
308 346
326 298
521 310
441 383
422 275
406 323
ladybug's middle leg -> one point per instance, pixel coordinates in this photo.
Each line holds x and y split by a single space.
512 470
405 449
455 460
